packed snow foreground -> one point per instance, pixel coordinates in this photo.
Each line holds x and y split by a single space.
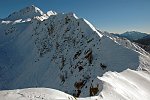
40 51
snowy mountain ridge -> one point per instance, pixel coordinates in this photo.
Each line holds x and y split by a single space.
28 12
63 52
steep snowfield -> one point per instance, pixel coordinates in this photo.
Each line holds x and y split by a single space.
63 52
125 42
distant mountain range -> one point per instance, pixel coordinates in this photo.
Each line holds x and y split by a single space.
133 35
142 39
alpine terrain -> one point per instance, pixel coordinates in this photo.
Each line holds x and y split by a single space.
39 51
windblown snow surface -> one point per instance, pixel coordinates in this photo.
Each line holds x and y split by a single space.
67 53
127 85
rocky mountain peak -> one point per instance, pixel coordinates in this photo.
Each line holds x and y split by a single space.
27 12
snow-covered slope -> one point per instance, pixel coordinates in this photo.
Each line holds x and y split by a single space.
127 85
35 94
125 42
63 52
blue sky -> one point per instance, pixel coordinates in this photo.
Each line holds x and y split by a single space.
109 15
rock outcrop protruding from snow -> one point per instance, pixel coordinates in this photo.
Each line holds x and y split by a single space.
127 85
64 52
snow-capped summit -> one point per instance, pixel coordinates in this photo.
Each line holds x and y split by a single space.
63 52
27 12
